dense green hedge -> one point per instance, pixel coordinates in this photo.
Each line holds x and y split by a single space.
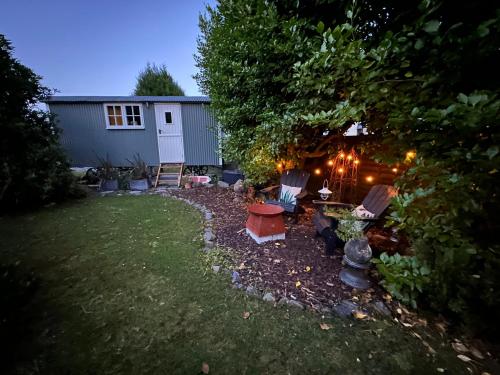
33 167
287 78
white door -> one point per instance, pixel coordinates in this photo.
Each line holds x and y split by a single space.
169 128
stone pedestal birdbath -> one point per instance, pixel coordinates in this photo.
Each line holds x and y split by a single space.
265 223
357 255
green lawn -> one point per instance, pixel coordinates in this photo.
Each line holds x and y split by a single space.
120 288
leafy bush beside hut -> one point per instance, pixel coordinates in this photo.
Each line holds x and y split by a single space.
286 79
33 167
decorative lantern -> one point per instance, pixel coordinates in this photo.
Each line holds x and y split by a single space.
357 255
325 192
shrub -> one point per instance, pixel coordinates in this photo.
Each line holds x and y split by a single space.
403 276
33 167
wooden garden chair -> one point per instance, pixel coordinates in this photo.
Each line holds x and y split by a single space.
295 178
376 202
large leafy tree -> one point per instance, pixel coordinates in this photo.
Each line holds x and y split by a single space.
33 167
155 80
287 78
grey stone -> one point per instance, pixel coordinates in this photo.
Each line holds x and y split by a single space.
238 187
379 307
252 291
222 184
283 301
209 244
296 304
325 310
216 269
237 286
208 236
235 277
268 297
135 192
208 216
345 308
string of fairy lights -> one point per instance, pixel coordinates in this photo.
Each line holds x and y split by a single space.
342 172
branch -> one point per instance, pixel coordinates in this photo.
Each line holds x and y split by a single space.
317 153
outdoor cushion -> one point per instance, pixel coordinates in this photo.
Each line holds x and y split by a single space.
289 194
362 212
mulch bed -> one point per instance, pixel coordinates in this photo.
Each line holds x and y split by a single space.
276 265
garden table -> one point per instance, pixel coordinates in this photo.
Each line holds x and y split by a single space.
265 222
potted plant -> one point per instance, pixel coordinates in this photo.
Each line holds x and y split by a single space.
108 175
138 174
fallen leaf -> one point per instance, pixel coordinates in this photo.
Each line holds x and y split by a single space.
417 335
387 297
439 369
459 347
441 327
407 324
308 269
298 284
325 326
329 284
429 348
464 358
205 368
422 322
399 311
246 315
359 315
476 353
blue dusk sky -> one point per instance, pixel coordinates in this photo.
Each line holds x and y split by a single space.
98 47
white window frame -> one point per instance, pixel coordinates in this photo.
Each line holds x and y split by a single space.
124 117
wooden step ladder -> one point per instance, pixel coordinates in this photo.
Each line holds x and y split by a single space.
169 174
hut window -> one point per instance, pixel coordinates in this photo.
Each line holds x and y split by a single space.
133 115
168 117
115 115
124 116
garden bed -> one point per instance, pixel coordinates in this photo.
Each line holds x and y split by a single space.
296 268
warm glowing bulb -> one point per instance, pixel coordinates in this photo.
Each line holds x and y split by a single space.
349 157
369 178
395 170
342 155
279 165
356 161
317 171
410 155
330 162
341 170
